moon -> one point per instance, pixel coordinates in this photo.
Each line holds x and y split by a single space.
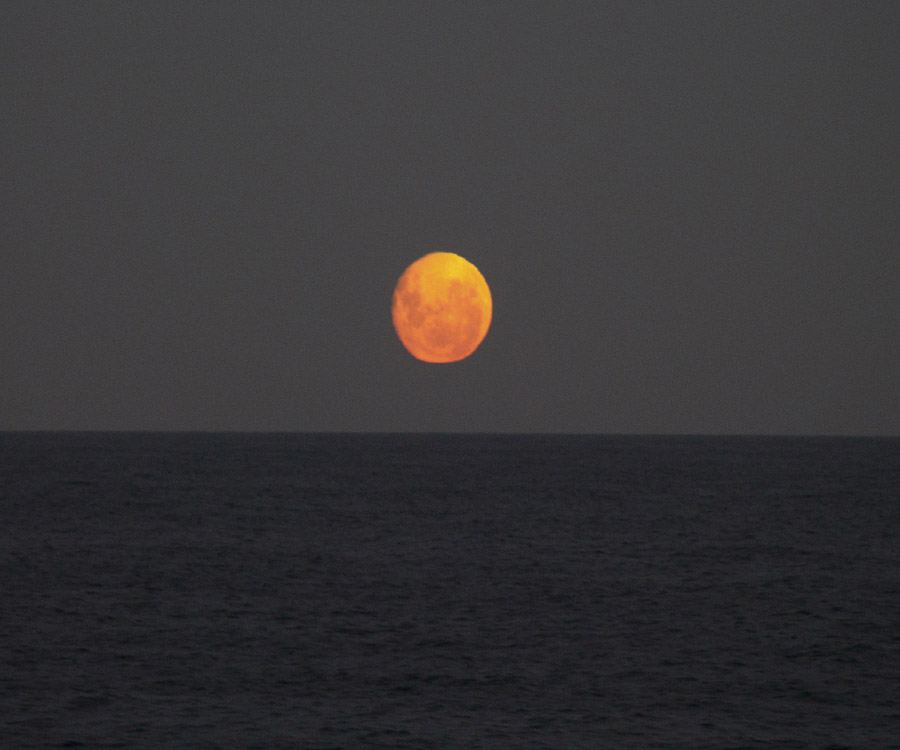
441 308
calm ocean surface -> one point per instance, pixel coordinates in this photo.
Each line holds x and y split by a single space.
448 591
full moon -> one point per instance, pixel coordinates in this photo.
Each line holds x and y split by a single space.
441 308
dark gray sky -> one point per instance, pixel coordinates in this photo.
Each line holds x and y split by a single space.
688 214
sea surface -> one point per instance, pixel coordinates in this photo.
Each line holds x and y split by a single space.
448 591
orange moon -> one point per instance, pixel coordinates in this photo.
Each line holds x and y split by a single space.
441 308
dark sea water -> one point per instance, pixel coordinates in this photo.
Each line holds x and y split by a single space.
448 591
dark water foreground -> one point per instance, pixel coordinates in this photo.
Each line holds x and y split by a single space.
391 591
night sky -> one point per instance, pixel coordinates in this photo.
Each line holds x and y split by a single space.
688 214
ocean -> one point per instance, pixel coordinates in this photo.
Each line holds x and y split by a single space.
448 591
